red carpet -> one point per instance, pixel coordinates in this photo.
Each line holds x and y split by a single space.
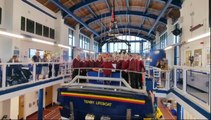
51 113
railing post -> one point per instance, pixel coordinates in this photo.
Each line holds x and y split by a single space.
184 79
4 75
65 68
34 72
98 72
120 74
175 77
167 80
53 71
144 80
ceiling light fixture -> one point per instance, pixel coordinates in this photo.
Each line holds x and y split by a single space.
42 41
199 37
11 34
64 46
167 48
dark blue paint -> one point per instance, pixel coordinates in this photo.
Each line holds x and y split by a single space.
160 16
128 26
132 33
179 111
156 55
95 74
175 3
41 10
15 89
40 104
117 111
119 13
68 12
193 105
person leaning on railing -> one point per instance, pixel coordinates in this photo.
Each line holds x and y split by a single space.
36 58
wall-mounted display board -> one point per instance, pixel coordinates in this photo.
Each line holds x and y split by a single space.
188 53
198 57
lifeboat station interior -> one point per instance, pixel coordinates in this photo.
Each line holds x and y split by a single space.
105 59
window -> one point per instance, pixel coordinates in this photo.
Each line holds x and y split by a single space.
71 38
84 42
30 26
146 47
52 33
23 23
0 14
38 29
104 48
70 54
163 40
96 46
45 31
117 47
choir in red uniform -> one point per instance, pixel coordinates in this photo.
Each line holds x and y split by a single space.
128 64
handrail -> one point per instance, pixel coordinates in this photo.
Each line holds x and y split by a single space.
125 86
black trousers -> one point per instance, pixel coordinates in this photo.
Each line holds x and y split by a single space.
125 76
75 73
139 80
134 80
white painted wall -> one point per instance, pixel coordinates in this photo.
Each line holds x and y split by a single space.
29 99
6 108
1 109
55 87
199 11
14 107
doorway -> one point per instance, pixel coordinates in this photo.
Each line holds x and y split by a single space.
48 96
21 108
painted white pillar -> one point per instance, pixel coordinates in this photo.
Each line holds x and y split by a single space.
76 50
14 107
157 40
91 46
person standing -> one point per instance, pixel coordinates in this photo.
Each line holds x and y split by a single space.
124 67
76 64
139 68
36 58
132 68
45 66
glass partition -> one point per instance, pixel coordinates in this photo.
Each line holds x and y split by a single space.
197 84
179 78
1 75
18 74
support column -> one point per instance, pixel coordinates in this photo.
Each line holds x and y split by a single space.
76 50
179 112
142 48
91 46
157 41
40 104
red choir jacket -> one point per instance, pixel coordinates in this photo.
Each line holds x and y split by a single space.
107 65
119 64
132 65
125 64
97 64
140 66
76 63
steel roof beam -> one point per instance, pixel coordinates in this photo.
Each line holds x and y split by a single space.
147 6
159 17
129 26
62 7
132 33
175 3
118 13
106 1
